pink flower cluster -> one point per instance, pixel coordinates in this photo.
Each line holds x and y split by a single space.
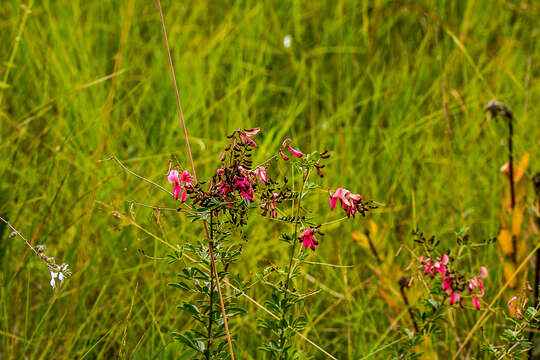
308 239
243 181
180 182
349 201
452 283
430 266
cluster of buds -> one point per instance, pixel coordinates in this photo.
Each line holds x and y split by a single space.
453 283
308 239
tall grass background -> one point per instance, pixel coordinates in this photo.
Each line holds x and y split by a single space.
395 91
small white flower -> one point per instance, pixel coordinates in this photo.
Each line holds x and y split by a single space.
59 274
54 275
287 41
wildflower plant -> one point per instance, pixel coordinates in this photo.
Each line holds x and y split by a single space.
57 272
446 281
224 204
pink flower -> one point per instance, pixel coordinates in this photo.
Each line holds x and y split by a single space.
261 172
483 272
273 206
476 284
176 191
349 201
439 265
243 185
173 177
247 134
180 181
447 285
185 177
285 157
475 302
308 238
269 204
295 152
455 297
515 308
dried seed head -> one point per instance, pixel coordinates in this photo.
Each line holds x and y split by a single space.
496 108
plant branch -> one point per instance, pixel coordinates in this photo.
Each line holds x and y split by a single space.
186 137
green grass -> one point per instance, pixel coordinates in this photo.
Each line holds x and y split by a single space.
395 92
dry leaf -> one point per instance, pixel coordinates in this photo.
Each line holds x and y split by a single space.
509 269
361 239
505 241
389 300
517 221
373 228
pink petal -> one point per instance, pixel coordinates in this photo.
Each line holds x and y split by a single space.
246 195
261 172
511 302
173 177
184 195
295 152
445 259
483 272
253 132
476 303
176 191
333 202
186 177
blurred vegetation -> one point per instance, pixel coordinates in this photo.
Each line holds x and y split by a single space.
394 89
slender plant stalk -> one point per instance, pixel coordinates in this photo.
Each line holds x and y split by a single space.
402 286
373 248
512 184
171 68
295 229
293 250
186 137
209 342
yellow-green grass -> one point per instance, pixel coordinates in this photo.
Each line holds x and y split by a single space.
394 90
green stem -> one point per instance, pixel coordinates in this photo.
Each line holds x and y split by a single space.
293 250
210 244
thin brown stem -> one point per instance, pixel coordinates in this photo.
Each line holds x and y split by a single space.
186 137
512 183
402 285
171 68
373 248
